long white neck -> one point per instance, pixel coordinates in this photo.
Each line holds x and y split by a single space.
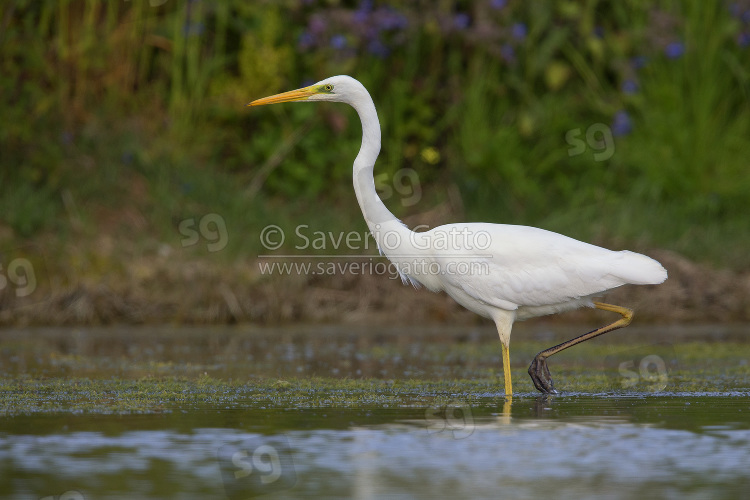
391 235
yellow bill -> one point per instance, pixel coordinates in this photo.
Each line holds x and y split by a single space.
292 95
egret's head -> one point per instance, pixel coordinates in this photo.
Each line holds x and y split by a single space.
336 88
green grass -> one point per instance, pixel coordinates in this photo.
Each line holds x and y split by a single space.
124 112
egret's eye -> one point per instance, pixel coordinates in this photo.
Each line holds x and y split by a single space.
328 87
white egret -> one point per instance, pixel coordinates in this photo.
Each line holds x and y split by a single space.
499 271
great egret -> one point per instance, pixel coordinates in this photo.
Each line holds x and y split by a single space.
499 271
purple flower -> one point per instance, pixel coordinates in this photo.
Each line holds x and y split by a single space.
461 21
736 11
508 53
378 48
365 6
621 124
338 42
518 31
629 86
305 40
361 16
498 4
674 50
391 19
599 31
743 39
639 62
317 25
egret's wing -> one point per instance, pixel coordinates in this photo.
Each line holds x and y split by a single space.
526 266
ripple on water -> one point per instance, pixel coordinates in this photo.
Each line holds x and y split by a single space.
521 459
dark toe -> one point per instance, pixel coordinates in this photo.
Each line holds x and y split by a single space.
539 373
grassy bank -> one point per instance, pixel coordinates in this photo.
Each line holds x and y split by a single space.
130 164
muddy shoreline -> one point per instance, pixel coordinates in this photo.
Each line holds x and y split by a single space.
163 290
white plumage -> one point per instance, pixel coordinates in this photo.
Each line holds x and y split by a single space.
502 272
535 272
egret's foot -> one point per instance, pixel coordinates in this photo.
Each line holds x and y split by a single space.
540 375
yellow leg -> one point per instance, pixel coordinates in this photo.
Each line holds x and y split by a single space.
538 369
627 315
506 370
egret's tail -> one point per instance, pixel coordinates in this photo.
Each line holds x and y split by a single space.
641 270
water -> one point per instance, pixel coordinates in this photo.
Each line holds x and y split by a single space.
676 446
612 443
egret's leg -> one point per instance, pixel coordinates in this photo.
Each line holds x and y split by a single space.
538 368
506 370
504 322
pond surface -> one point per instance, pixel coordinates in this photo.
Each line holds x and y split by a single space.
682 431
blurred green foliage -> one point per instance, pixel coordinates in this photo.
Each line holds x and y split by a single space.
617 122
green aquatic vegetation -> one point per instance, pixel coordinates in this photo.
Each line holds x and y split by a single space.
156 394
133 370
